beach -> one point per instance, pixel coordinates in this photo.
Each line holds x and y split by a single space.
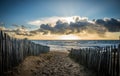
50 64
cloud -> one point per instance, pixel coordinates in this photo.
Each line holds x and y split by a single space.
76 26
56 25
22 31
15 25
113 25
47 20
2 28
52 20
18 30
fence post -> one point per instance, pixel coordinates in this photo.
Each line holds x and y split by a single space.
1 53
118 61
114 60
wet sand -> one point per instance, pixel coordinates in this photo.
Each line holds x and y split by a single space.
50 64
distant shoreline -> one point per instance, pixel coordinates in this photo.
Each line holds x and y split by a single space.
77 40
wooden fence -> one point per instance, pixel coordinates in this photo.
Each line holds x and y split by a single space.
104 61
13 51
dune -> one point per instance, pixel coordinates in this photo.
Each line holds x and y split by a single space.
50 64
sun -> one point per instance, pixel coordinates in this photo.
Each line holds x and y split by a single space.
69 37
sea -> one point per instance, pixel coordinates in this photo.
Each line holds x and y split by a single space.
65 45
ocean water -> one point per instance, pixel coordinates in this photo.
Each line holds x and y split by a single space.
64 45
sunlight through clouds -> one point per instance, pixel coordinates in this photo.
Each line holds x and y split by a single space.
52 20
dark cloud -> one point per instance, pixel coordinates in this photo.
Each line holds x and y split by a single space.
74 27
19 26
18 30
113 25
21 30
15 25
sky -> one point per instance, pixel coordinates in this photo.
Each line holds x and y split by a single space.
61 19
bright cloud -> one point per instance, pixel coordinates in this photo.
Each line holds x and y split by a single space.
52 20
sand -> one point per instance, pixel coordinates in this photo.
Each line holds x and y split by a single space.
50 64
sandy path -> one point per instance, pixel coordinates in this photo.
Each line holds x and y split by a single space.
50 64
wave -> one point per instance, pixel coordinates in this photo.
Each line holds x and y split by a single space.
64 45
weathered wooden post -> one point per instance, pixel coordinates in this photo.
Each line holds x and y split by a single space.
111 70
118 61
99 62
89 58
1 52
7 52
114 60
108 60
